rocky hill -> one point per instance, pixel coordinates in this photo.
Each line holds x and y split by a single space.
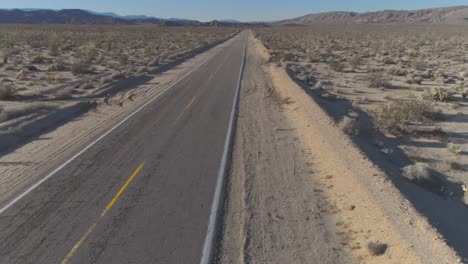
447 15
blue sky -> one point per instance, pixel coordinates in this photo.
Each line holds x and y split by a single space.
244 10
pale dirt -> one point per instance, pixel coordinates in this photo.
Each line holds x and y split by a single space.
276 210
27 164
292 161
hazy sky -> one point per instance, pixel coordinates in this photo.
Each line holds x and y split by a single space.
244 10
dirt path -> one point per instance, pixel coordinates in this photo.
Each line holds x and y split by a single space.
301 192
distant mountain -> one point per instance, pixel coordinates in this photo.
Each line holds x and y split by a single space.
66 16
447 15
130 17
232 21
87 17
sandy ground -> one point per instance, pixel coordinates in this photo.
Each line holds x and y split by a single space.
276 209
292 161
25 165
395 54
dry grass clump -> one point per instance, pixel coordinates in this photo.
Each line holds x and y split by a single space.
6 91
337 65
438 95
65 93
378 80
14 112
350 126
454 149
400 116
423 175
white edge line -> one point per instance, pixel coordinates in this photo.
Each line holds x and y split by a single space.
30 189
207 253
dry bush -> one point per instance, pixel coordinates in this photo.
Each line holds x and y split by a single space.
7 91
65 93
438 95
88 53
350 126
356 61
81 68
398 116
38 59
377 80
54 43
57 66
454 149
394 71
423 175
420 65
336 65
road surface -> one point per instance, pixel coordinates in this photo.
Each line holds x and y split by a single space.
144 192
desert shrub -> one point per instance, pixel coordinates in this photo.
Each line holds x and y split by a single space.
336 66
423 175
54 44
454 149
86 86
154 62
118 76
355 61
38 59
464 93
6 91
123 59
88 53
463 74
65 93
21 74
439 75
388 60
398 116
377 80
57 66
437 94
80 68
397 71
420 65
350 126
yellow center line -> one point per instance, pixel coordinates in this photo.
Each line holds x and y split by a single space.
189 104
75 248
212 75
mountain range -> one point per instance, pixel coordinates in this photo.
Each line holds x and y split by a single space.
88 17
446 15
457 15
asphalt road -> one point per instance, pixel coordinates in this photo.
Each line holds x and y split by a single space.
143 193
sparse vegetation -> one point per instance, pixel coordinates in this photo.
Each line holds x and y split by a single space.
6 91
400 116
423 175
376 80
438 95
350 126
